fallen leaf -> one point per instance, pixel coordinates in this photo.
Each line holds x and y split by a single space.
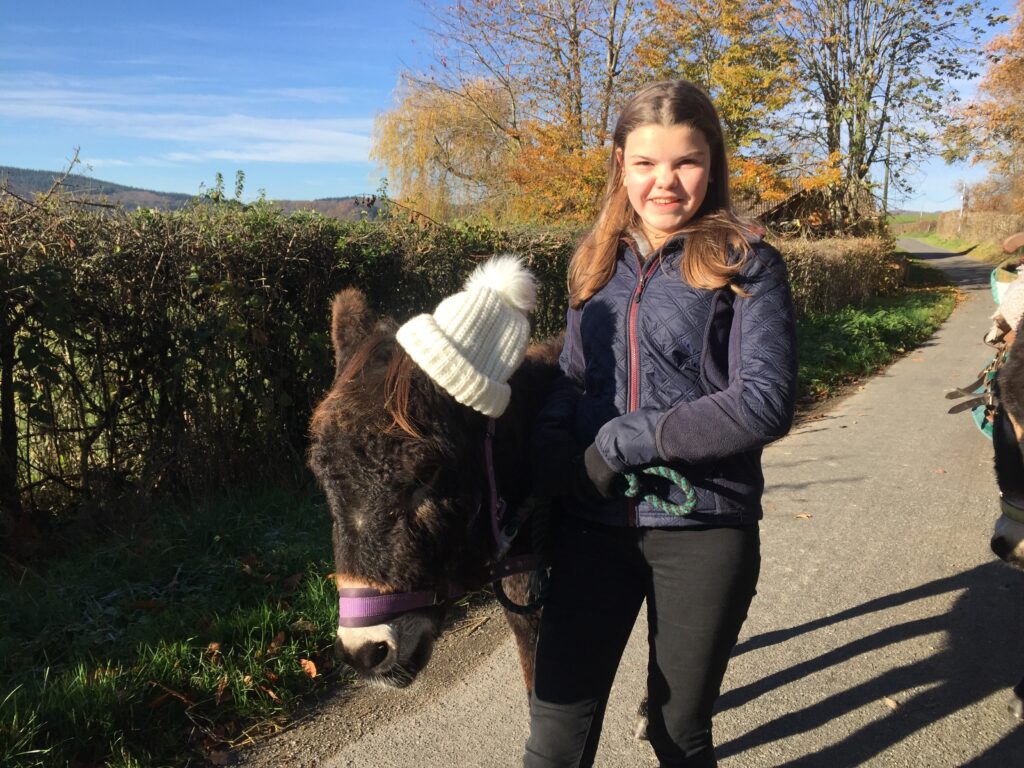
272 677
302 625
269 693
940 471
891 703
290 584
276 643
803 516
221 685
308 667
169 692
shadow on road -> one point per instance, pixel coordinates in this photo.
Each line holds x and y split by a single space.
961 270
982 656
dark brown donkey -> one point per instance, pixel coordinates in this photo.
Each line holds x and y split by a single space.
403 468
1008 441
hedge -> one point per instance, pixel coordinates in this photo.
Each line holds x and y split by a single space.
158 352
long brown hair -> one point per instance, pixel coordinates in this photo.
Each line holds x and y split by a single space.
708 234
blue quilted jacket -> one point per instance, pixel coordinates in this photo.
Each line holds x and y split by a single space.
658 372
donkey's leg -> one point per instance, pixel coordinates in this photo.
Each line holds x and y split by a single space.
1017 703
524 626
640 723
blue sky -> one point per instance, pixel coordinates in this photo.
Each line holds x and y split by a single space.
165 96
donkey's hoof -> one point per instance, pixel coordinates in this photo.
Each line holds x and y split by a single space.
640 723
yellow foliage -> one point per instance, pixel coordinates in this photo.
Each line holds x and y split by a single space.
556 181
731 48
445 151
995 120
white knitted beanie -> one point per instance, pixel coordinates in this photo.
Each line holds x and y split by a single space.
476 339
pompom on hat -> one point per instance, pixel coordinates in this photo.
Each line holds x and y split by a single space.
476 339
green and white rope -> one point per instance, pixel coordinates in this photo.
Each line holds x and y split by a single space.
633 491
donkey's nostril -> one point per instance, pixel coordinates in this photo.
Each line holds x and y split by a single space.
370 656
378 654
1001 547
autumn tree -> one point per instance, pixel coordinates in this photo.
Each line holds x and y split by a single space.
875 79
735 51
991 127
553 71
446 150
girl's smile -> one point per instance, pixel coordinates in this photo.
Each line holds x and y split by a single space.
666 171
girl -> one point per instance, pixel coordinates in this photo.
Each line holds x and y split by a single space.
679 351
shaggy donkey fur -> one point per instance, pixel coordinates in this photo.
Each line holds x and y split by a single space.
401 464
1008 440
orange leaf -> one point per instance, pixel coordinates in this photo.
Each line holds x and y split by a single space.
276 643
308 667
168 692
221 685
269 693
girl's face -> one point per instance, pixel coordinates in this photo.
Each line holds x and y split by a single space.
665 171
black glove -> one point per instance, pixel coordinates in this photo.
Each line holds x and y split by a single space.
593 479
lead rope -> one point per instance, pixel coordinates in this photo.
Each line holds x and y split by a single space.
674 477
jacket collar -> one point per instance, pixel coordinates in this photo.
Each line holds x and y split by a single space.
636 241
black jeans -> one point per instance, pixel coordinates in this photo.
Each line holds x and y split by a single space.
698 583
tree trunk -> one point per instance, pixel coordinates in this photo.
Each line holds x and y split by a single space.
10 497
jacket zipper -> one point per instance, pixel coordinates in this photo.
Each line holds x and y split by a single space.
633 390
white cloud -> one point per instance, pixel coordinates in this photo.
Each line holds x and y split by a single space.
223 130
352 149
104 162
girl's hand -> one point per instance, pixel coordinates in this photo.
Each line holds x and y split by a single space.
595 479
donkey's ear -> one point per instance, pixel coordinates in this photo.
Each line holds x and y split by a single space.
351 322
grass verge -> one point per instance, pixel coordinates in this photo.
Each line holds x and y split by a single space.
168 645
985 252
206 628
839 348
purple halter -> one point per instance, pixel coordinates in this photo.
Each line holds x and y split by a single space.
366 606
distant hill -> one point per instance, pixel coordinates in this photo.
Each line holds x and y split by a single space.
27 183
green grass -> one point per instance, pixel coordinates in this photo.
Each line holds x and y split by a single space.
162 646
840 348
985 251
901 218
184 638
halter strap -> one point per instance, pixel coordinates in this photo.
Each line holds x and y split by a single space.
364 606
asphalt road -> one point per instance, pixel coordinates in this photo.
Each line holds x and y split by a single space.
884 633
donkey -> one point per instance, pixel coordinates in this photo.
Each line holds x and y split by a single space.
403 467
1008 441
1008 423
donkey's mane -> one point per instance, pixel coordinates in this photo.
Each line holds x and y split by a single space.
397 386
